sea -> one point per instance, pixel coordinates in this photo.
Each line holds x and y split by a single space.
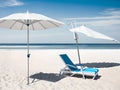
59 46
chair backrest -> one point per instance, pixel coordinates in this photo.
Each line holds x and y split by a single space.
68 62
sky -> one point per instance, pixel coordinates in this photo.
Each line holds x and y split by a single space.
100 15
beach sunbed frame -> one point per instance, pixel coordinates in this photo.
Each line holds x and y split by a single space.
72 69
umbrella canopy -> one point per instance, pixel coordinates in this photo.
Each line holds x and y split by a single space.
28 21
20 21
91 33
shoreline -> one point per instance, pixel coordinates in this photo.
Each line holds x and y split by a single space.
60 46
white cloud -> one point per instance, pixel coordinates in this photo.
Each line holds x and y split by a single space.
94 18
112 12
5 3
100 22
109 17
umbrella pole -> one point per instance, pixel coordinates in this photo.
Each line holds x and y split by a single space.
28 55
76 39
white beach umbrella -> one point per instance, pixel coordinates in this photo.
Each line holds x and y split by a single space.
90 33
28 21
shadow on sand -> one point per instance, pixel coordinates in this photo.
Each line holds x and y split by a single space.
52 77
101 64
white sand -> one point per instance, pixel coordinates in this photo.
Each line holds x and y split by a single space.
47 64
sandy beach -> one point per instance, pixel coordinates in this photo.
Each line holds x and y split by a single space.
46 64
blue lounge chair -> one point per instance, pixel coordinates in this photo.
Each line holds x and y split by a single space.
73 69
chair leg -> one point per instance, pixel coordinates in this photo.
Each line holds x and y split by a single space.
33 80
61 73
72 74
95 76
83 76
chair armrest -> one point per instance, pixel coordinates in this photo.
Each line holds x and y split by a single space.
81 66
71 65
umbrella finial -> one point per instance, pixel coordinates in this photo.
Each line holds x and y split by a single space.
27 11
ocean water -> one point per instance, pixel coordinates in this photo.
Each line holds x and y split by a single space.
57 46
